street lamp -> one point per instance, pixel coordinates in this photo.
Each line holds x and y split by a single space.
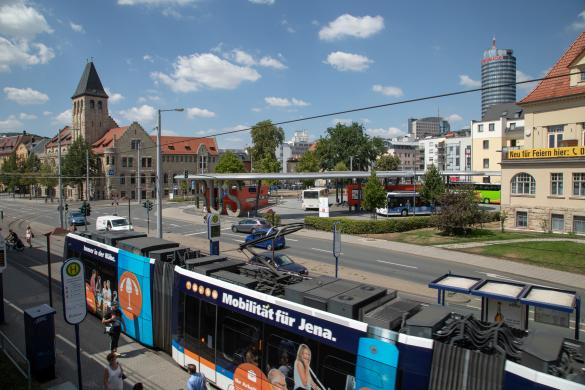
159 174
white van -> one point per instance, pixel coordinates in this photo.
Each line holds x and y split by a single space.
112 222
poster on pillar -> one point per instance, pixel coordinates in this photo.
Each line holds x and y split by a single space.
323 207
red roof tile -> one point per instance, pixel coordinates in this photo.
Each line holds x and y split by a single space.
186 145
66 138
559 87
107 139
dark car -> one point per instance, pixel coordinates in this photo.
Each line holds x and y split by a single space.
250 225
76 219
281 262
278 242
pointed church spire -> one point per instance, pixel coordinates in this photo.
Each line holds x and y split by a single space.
90 83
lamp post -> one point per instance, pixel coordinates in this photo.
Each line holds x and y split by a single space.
159 174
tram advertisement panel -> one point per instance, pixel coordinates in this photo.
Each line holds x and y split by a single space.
343 334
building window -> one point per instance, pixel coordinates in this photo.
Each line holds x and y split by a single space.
578 224
132 181
556 184
480 128
579 184
512 125
142 179
135 144
582 75
557 222
521 219
130 162
124 162
486 144
486 162
153 179
492 126
122 179
523 184
91 104
555 136
100 105
166 178
123 194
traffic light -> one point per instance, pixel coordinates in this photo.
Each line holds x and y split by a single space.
85 209
147 204
88 210
66 207
186 174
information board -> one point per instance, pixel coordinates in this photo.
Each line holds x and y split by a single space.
512 313
73 291
551 317
324 207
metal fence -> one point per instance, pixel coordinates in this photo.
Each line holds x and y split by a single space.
16 357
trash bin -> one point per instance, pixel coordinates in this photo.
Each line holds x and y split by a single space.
39 333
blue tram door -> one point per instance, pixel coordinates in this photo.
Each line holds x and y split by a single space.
377 363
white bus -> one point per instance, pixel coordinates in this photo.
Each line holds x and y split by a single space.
310 198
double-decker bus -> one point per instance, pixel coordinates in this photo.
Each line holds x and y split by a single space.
405 203
310 198
247 327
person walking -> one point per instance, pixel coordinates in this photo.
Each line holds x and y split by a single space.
196 380
114 326
29 235
113 374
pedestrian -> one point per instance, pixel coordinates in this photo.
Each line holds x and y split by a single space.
196 380
29 235
113 374
114 326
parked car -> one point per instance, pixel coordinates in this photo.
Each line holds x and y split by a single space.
250 225
112 222
281 262
279 242
76 219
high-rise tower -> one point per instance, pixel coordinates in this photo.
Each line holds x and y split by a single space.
90 107
498 73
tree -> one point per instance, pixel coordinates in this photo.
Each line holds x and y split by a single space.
387 162
459 211
229 163
11 173
30 168
266 137
340 166
433 186
308 163
74 164
344 141
374 194
47 176
268 164
184 187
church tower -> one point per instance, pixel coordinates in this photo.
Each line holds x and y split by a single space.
90 107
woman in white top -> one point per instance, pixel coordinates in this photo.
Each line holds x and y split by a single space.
113 374
302 370
107 296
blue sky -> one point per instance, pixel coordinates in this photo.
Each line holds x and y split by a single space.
232 63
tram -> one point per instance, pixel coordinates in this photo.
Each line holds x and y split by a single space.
243 325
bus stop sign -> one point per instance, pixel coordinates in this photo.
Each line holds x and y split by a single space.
213 227
73 289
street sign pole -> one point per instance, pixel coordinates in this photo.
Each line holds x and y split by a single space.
336 245
78 351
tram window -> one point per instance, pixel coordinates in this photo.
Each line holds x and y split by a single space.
239 342
338 369
207 322
179 329
191 323
281 354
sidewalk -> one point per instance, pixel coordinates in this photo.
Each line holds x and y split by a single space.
464 245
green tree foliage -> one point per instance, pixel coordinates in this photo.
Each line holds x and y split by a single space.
340 166
11 173
374 194
433 186
229 163
459 212
265 137
308 163
47 171
343 141
387 162
74 164
30 168
268 164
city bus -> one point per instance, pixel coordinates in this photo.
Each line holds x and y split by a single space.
405 203
310 198
242 326
485 192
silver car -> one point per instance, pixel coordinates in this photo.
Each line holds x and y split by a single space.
249 225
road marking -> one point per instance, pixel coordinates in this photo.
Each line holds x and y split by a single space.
12 305
233 235
174 225
324 250
292 239
397 264
226 229
194 234
239 240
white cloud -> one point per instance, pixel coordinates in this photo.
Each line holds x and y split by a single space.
63 118
256 109
23 54
342 121
148 57
77 27
156 3
10 123
348 25
580 23
347 61
167 132
205 70
114 96
243 58
25 95
47 113
284 102
521 76
468 82
388 90
144 113
391 132
264 2
454 118
21 21
199 112
288 27
26 116
270 62
152 98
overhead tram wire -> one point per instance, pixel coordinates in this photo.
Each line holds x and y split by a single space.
366 108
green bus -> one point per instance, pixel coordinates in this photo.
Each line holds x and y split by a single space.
486 192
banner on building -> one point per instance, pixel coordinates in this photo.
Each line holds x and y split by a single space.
572 151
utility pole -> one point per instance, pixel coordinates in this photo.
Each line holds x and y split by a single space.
87 174
60 179
139 195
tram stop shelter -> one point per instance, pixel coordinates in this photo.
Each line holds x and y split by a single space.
509 302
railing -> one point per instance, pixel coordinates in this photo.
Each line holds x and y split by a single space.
16 357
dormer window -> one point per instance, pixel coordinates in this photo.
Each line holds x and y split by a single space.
582 74
187 147
171 147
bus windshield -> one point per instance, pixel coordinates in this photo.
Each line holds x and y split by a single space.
311 194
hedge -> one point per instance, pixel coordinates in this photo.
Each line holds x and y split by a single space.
358 226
